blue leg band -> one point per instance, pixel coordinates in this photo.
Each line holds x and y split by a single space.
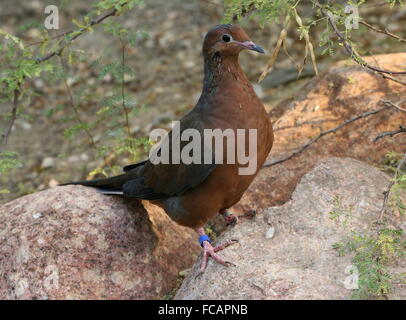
203 238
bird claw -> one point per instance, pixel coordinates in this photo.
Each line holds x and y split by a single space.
225 245
232 219
249 214
209 250
230 264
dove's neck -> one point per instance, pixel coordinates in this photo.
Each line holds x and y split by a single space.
220 71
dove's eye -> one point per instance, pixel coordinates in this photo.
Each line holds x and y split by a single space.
227 38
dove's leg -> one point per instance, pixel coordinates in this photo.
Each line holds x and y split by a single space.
209 250
231 218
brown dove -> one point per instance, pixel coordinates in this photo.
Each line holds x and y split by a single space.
192 193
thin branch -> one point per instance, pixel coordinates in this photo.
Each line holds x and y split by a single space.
123 45
7 132
389 188
323 133
385 76
75 109
351 51
107 161
391 104
79 32
390 133
248 9
62 34
382 31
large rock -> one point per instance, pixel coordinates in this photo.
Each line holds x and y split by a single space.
287 253
340 93
74 243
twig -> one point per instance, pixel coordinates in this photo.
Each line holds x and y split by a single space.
52 38
323 133
389 188
382 31
107 160
14 109
248 9
123 45
385 76
390 133
351 51
79 32
73 106
391 104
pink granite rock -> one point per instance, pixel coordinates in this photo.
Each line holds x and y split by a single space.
74 243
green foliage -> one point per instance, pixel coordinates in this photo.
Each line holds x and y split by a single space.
9 160
280 11
398 189
372 254
393 3
72 131
340 213
21 62
120 5
116 69
267 11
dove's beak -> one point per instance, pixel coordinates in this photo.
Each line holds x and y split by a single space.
252 46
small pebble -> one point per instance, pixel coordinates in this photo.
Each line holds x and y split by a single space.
185 272
47 163
37 215
270 233
53 183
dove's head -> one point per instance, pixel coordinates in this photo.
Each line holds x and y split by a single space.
227 40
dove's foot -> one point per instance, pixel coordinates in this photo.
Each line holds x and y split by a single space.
249 214
210 251
229 217
232 219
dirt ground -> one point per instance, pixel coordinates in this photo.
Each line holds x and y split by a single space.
168 75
